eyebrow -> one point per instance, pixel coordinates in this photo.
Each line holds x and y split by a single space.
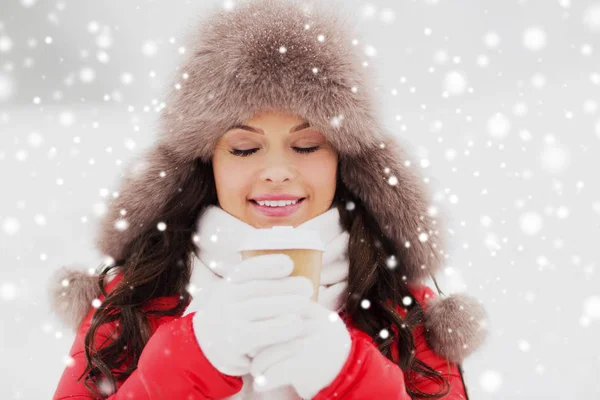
258 130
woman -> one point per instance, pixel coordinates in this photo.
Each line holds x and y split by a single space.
273 103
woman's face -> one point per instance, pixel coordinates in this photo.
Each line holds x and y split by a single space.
274 154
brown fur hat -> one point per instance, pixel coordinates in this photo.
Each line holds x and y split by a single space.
298 58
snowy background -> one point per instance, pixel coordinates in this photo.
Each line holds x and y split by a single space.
498 98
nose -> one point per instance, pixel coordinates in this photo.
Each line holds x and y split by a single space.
277 169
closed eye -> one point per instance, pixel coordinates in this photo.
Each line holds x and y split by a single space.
246 153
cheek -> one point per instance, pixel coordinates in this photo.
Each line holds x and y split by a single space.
231 179
320 173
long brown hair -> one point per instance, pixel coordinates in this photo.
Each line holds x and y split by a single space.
158 263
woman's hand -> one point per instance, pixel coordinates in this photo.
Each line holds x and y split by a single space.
310 362
257 305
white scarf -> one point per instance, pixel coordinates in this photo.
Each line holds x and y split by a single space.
218 236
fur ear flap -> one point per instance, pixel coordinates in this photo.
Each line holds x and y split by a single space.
455 325
71 291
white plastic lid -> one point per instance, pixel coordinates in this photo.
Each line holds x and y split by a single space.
282 237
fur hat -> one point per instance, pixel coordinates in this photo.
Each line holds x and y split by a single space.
296 58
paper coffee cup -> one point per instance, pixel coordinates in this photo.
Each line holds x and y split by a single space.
303 246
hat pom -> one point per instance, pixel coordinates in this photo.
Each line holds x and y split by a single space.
455 325
72 291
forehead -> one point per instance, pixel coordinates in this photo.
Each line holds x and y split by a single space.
267 122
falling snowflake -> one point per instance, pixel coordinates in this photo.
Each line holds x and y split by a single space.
121 224
591 18
524 345
531 222
591 307
455 83
534 38
11 226
149 48
87 75
370 51
260 380
391 262
126 78
336 121
8 291
387 15
66 118
554 158
498 126
491 39
6 87
490 381
6 44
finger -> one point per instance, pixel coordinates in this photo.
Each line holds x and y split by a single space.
269 332
266 266
333 296
285 286
270 307
253 353
274 354
310 327
239 367
316 311
277 375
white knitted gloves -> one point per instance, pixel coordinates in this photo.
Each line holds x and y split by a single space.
308 363
257 305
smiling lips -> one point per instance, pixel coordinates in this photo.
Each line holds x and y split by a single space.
276 197
277 210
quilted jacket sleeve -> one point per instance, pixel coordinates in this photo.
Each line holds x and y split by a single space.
368 374
171 366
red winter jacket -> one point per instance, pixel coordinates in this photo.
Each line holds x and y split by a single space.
172 365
